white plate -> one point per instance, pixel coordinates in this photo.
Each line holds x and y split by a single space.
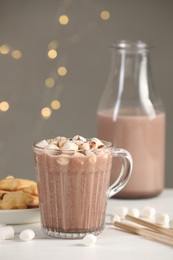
19 216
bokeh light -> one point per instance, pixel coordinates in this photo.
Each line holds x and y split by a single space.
4 49
50 82
16 54
4 106
105 15
62 71
46 112
52 54
64 19
55 104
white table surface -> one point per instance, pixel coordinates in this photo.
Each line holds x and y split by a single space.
111 243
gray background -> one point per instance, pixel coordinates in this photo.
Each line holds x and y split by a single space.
84 49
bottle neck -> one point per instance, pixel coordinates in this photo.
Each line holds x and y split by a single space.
133 69
134 90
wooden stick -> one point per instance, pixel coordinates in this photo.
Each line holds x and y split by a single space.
162 230
145 233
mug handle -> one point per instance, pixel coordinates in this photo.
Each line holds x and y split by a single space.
125 173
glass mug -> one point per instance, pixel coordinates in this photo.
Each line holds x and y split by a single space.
74 188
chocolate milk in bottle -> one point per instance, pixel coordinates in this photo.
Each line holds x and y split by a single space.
131 115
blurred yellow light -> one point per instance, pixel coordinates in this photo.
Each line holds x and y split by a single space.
46 112
52 54
53 45
55 104
63 19
4 106
16 54
4 49
50 82
105 15
62 71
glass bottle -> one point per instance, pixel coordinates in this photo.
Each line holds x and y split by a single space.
131 116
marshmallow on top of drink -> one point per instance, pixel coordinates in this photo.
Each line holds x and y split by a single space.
77 145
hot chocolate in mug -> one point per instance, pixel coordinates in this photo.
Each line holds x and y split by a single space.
73 176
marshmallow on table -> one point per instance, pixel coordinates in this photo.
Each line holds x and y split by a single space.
134 212
148 212
122 211
162 219
89 240
27 235
6 232
115 218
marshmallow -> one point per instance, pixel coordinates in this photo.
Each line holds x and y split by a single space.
148 212
84 146
89 240
134 212
69 146
171 223
52 141
60 140
79 139
52 147
6 232
27 235
42 144
115 218
122 211
96 143
162 219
